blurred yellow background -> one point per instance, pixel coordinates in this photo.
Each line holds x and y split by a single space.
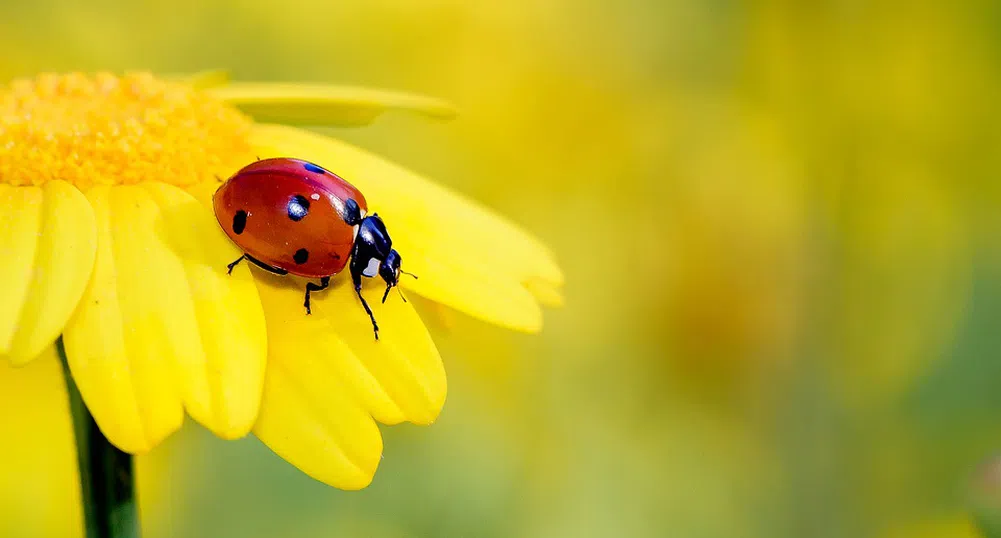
781 228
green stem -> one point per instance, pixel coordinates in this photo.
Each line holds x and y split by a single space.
106 473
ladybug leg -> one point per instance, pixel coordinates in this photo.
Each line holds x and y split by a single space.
262 265
229 268
256 262
324 282
357 281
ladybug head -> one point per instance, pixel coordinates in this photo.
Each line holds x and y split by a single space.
390 271
374 252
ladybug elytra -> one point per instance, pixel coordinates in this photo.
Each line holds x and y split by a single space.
290 216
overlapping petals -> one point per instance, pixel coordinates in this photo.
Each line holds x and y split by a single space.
328 377
47 245
161 327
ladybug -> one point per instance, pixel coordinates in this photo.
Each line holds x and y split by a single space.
290 216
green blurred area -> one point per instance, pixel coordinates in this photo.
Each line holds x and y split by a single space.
780 224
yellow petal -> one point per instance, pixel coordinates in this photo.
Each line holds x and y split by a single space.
288 328
545 292
209 78
317 427
224 390
452 243
404 359
494 298
326 368
39 487
203 192
447 220
20 222
149 334
116 340
399 377
437 316
63 262
312 104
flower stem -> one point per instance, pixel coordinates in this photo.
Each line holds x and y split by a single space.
106 473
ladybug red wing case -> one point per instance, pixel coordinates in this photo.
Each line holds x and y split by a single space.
292 215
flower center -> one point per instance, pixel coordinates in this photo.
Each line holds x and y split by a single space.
104 129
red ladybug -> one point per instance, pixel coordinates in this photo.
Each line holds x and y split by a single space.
292 216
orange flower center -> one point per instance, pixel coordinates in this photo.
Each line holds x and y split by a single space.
105 129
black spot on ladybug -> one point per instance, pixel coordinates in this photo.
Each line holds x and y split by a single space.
239 222
298 207
313 168
301 256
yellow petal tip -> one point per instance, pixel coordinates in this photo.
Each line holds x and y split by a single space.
324 105
231 434
546 293
357 483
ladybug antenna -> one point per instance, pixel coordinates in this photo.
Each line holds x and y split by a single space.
389 287
406 273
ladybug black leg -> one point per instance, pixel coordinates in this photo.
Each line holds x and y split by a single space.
375 326
256 262
234 264
324 282
266 267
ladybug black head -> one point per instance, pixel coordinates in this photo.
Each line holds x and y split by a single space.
390 271
374 253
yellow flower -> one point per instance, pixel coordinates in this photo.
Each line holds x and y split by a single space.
108 238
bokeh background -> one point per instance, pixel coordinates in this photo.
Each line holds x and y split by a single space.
781 228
